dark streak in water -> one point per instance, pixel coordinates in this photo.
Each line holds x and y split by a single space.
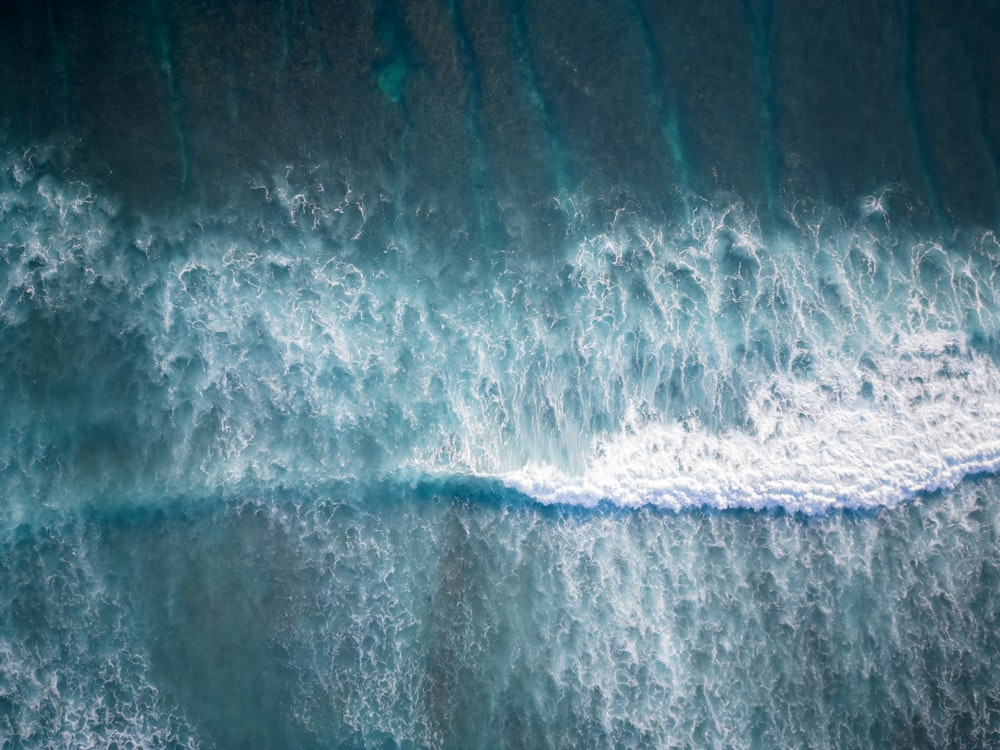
59 67
760 21
982 95
522 57
480 162
911 103
667 112
283 47
160 34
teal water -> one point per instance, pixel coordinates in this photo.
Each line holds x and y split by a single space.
457 615
503 374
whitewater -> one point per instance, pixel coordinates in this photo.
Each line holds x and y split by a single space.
824 364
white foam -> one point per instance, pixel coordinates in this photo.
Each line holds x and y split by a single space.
933 420
705 364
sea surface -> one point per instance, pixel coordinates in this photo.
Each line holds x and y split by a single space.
499 374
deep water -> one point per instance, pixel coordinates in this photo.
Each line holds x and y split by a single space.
499 374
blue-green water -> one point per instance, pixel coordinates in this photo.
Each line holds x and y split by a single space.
500 374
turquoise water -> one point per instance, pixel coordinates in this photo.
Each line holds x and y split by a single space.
499 375
460 615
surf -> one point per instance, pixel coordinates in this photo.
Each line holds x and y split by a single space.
829 361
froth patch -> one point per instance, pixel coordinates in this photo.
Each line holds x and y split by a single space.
931 419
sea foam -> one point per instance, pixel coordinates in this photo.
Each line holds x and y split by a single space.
937 422
831 361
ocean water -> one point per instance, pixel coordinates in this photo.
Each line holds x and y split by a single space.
489 374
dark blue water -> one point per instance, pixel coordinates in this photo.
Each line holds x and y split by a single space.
499 374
